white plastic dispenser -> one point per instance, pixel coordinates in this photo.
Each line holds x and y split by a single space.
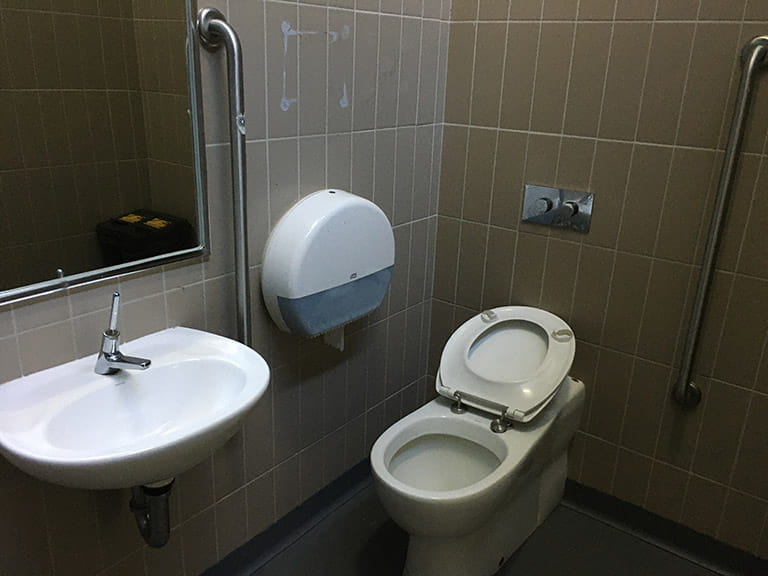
327 262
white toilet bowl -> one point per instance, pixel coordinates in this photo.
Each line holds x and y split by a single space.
469 496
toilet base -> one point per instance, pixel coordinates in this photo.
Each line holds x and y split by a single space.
482 552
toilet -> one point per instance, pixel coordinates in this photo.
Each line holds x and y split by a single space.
471 474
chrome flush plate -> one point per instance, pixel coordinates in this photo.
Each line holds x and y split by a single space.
570 209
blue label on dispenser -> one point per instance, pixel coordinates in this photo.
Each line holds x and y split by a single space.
317 313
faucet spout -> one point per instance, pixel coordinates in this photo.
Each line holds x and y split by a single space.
111 362
110 358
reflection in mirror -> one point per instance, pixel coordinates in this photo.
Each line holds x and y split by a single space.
96 161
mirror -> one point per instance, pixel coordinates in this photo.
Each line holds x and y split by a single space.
101 159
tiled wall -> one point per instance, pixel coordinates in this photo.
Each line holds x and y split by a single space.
630 100
323 408
73 149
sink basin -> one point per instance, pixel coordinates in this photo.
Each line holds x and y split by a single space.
70 426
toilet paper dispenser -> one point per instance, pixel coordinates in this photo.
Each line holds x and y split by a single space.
327 262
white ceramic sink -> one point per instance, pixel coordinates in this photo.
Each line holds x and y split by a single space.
70 426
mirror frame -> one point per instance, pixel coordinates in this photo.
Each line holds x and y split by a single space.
198 148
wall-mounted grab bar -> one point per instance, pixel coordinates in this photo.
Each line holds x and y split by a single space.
215 31
686 392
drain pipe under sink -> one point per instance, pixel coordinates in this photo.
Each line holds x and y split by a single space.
149 505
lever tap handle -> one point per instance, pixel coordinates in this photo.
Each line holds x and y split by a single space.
114 312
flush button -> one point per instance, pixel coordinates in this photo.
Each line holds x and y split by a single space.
570 209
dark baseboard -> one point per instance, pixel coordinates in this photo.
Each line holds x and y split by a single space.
671 536
665 534
255 553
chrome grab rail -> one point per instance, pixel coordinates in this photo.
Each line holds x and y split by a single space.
215 31
686 392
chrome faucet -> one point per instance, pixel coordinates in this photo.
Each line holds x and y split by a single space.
110 358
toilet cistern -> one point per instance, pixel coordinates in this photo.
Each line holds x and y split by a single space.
110 359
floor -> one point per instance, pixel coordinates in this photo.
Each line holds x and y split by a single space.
357 538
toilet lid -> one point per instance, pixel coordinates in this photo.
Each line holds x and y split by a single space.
507 360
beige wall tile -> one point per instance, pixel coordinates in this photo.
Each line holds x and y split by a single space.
231 527
525 9
754 10
464 9
591 293
679 431
575 163
743 517
428 71
635 9
404 173
706 91
480 160
625 303
665 310
407 94
398 294
455 141
749 473
716 10
559 10
645 196
519 74
596 9
471 264
559 277
461 55
633 471
489 66
666 490
588 75
251 16
724 415
609 179
493 9
687 204
198 537
55 339
677 9
648 393
585 368
743 332
281 122
388 67
754 253
366 40
541 160
531 251
664 83
165 560
424 148
446 259
499 262
737 216
624 81
610 394
417 262
508 179
384 173
703 505
551 70
599 464
313 70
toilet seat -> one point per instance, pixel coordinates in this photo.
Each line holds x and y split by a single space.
509 360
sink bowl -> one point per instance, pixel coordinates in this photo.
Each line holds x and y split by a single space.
70 426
